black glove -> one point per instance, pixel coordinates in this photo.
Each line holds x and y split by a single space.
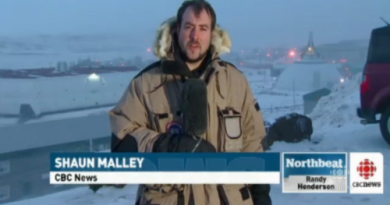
127 144
95 187
182 143
260 194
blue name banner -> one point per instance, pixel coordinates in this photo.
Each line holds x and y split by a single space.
315 172
165 162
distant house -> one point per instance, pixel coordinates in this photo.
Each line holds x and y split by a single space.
25 152
310 100
310 73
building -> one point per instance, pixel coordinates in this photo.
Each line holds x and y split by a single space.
308 74
345 51
32 93
25 150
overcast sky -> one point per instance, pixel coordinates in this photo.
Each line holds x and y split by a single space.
267 22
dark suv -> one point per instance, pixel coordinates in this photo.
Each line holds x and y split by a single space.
375 85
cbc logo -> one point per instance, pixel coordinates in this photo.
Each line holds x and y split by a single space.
366 169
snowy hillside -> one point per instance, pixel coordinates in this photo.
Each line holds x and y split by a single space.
336 129
339 108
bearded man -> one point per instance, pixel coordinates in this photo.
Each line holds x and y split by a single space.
148 115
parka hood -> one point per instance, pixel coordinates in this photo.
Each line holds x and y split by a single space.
163 44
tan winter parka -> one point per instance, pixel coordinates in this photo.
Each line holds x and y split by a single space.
152 101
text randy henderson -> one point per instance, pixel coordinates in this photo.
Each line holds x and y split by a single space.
312 184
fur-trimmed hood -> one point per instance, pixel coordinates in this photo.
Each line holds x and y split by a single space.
221 41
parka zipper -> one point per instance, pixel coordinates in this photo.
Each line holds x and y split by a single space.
222 195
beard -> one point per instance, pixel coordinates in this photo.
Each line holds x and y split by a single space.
192 60
195 60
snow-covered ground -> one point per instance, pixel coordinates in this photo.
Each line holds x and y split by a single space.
84 196
336 129
273 104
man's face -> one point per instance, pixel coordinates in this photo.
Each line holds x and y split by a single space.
194 35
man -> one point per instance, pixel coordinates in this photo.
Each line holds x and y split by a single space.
148 114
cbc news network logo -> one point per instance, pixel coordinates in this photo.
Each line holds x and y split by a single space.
366 170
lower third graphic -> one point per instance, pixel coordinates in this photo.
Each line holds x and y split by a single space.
315 172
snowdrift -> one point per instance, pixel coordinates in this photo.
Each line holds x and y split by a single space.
338 108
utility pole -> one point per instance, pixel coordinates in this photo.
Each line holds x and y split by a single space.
294 94
91 145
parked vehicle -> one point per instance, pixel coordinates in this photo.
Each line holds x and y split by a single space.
375 85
